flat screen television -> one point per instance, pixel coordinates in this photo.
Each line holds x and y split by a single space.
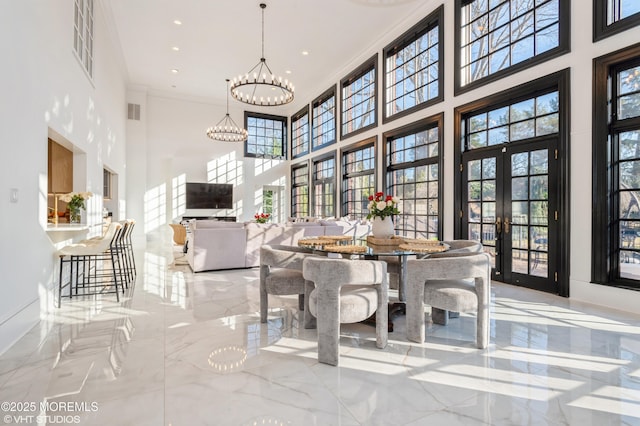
209 195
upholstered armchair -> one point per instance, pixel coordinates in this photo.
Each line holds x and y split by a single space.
281 274
456 248
341 291
461 284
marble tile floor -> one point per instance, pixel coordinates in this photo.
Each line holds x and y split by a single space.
189 349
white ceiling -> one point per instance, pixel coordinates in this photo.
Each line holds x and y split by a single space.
220 39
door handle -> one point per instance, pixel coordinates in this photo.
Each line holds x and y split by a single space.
506 225
498 225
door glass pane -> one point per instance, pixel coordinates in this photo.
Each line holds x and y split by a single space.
489 190
539 213
520 164
520 261
539 188
489 168
475 170
520 236
520 211
519 188
539 162
474 191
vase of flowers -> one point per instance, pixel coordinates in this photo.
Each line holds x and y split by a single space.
75 202
381 209
261 217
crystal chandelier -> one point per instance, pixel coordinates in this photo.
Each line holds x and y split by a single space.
260 86
227 130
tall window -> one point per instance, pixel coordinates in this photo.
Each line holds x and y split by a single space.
300 133
414 164
83 33
267 135
300 190
413 68
324 185
359 98
499 37
617 169
358 178
613 16
324 119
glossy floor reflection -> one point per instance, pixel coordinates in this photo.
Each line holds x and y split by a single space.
189 349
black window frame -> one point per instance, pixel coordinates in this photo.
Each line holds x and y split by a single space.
605 239
294 167
369 65
325 96
294 118
371 142
433 121
600 28
282 119
312 181
434 19
564 47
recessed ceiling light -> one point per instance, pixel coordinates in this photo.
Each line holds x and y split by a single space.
288 71
175 48
177 22
305 52
175 71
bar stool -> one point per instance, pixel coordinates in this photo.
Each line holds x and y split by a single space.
87 269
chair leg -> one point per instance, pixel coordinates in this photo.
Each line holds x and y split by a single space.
115 275
439 316
301 302
264 304
328 327
60 282
415 312
382 317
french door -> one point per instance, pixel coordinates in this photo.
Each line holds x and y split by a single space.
509 203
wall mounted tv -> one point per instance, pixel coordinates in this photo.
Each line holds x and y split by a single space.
209 195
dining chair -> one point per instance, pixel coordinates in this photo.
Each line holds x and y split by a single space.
456 248
281 274
461 284
343 291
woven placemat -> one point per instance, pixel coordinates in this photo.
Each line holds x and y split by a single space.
312 242
423 248
337 237
421 241
346 248
393 241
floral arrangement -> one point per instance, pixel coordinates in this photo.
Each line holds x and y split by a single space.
381 205
75 200
261 217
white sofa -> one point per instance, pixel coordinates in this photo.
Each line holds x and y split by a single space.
213 245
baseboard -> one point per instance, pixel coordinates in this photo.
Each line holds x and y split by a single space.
602 295
17 325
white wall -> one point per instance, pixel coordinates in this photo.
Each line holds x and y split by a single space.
46 92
